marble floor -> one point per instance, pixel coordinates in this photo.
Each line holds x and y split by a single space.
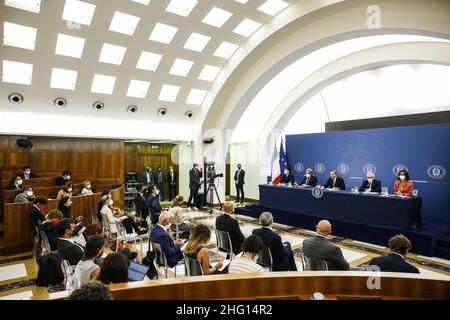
17 273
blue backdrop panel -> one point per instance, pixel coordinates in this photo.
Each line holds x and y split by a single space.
423 150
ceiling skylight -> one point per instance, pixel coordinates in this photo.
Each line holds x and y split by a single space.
28 5
148 61
78 11
69 46
226 50
272 7
112 54
124 23
181 67
63 79
103 84
246 27
17 72
209 73
145 2
217 17
196 42
181 7
241 1
138 89
163 33
16 35
196 97
169 93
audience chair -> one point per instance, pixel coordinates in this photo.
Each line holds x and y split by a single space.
70 280
224 242
45 245
106 232
36 242
265 258
192 267
161 258
314 264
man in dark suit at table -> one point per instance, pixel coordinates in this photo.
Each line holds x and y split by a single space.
395 260
28 174
239 181
288 177
320 248
195 174
37 214
147 178
68 249
334 182
172 181
370 184
139 202
282 255
309 180
160 181
225 222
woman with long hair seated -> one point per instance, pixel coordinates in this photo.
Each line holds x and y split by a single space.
65 191
86 269
49 227
196 249
403 186
114 269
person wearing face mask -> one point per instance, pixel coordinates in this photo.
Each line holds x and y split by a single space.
370 184
25 196
87 188
107 213
288 177
49 227
195 174
37 211
64 178
68 248
246 263
159 234
86 268
403 186
172 180
66 191
16 184
152 202
28 174
65 205
309 180
239 181
160 181
147 178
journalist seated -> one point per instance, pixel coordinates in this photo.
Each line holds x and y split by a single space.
68 248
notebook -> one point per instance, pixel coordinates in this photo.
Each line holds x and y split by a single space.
136 271
225 264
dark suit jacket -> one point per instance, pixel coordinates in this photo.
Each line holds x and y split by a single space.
69 251
33 175
273 241
194 179
312 181
287 178
226 223
319 248
241 178
339 183
163 177
60 181
51 233
170 180
147 181
36 216
13 186
139 203
153 204
393 262
375 187
170 249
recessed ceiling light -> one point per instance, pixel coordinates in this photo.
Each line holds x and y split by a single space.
226 50
28 5
112 54
163 33
272 7
103 84
196 42
17 72
124 23
69 46
247 27
181 7
241 1
78 11
149 61
138 89
217 17
209 73
196 97
146 2
63 79
16 35
169 93
181 67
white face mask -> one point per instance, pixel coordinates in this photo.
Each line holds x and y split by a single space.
286 172
29 193
370 180
88 186
111 202
27 172
69 189
402 177
168 226
308 175
157 192
67 177
19 182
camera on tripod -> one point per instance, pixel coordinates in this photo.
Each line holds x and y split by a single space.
211 173
210 186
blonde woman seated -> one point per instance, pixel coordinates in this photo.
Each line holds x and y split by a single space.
87 188
65 191
196 249
112 215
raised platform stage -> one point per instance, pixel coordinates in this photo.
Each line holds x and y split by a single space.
432 239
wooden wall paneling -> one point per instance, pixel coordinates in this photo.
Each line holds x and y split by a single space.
17 155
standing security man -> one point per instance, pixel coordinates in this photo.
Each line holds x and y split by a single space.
160 181
239 181
172 179
195 174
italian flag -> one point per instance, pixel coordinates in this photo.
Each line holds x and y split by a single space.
279 163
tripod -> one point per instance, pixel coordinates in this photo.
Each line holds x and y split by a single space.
211 188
